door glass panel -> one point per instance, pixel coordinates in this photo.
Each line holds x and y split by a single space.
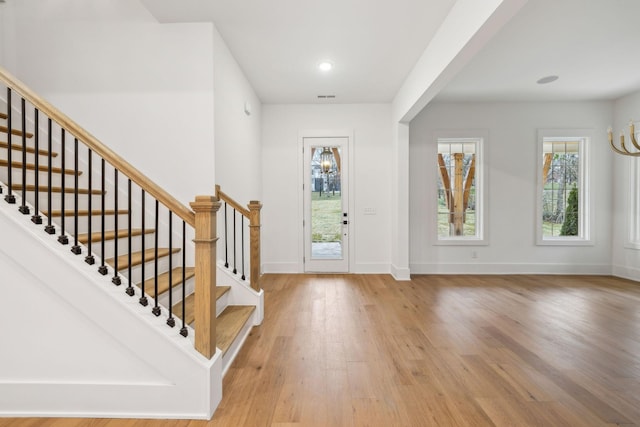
326 203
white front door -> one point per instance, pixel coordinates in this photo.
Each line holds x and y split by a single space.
326 216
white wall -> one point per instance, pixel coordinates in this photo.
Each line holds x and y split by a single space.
282 186
511 155
3 38
468 26
144 89
238 158
625 259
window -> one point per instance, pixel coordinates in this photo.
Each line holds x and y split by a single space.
633 201
460 198
563 214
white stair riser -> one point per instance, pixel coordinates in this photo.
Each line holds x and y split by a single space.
177 293
56 199
56 177
136 272
96 223
123 246
223 302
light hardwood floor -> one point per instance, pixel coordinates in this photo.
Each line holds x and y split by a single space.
364 350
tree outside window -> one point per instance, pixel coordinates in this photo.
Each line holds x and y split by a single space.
560 208
563 203
458 190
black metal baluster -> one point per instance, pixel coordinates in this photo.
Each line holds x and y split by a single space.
226 241
171 321
143 299
103 268
116 278
89 259
183 331
242 244
130 291
24 209
63 238
9 198
8 146
156 308
76 247
49 228
235 251
36 218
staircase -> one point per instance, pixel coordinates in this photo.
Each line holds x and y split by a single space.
114 219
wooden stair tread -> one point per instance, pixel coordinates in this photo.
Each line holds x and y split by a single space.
163 280
41 168
3 116
189 304
18 147
111 234
17 132
136 257
229 324
221 290
44 189
85 212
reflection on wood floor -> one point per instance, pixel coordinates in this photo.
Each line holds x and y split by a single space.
364 350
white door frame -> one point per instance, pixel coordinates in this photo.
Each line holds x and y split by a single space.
330 133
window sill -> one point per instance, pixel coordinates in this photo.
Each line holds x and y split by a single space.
632 245
461 241
565 241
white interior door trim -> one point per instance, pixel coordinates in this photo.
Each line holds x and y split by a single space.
326 133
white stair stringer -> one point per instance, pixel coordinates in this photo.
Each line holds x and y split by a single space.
75 345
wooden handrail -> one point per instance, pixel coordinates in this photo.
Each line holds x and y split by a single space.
99 148
221 195
253 216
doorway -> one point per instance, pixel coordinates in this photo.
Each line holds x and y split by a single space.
326 204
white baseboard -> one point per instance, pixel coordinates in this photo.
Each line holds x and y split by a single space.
281 267
371 268
400 274
626 272
294 268
507 268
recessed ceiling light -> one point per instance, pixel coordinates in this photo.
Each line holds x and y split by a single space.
325 66
548 79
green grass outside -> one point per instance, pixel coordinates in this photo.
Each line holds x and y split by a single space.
468 229
551 229
326 217
469 226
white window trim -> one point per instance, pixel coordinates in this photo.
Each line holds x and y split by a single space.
583 136
633 205
480 137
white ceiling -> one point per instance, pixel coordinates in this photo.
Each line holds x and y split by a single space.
592 45
279 43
